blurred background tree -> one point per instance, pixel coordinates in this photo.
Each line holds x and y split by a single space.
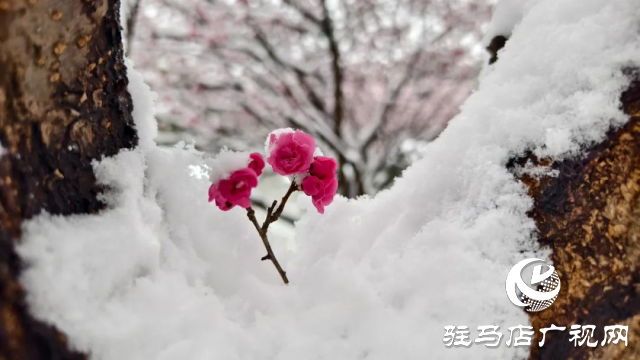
371 79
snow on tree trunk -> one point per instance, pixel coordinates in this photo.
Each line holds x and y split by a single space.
589 215
63 104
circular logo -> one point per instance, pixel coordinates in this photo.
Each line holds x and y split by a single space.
542 291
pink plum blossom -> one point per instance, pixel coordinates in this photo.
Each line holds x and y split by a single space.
325 197
235 190
292 153
311 185
323 167
322 182
256 163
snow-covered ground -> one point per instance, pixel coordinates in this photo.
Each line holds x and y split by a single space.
163 274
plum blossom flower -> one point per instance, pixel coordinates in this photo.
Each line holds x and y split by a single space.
256 163
322 183
236 189
221 201
291 153
325 197
311 185
323 167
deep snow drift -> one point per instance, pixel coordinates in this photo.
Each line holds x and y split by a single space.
162 274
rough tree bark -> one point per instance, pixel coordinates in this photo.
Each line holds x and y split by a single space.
63 103
589 215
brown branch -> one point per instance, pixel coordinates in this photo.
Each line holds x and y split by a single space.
270 255
263 206
272 216
251 214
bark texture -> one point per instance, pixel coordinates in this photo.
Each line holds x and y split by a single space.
590 217
63 103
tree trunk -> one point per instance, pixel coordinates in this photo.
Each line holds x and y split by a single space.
63 103
589 215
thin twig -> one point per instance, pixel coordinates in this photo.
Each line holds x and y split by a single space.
251 214
270 255
273 215
258 204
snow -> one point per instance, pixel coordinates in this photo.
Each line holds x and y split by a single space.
506 15
225 163
534 171
144 109
162 274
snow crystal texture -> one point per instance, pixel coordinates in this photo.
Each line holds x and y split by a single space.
162 274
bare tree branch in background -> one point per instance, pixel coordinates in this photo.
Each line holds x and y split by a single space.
371 79
128 18
132 15
338 96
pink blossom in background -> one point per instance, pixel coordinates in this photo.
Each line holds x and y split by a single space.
226 71
291 153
